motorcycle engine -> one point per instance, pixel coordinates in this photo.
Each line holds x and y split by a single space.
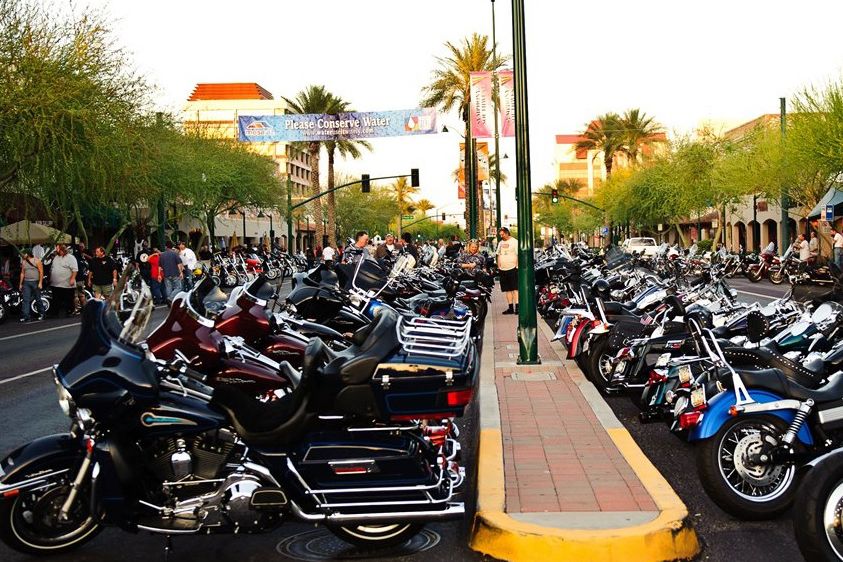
198 457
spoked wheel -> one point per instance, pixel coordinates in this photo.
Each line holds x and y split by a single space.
271 273
777 276
30 523
45 302
754 274
818 511
216 280
733 475
230 280
372 537
600 365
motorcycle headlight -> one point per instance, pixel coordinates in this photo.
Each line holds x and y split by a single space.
663 360
65 399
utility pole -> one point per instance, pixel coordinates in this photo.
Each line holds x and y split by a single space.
785 200
471 183
289 215
162 215
527 340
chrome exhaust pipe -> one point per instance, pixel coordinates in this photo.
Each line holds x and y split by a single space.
454 510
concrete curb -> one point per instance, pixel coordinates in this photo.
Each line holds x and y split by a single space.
668 536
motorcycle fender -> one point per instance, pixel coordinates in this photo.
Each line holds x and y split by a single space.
574 348
717 414
834 456
26 465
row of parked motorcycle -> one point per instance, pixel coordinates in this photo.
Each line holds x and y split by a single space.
334 405
757 389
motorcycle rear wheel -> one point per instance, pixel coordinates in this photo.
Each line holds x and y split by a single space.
30 524
600 365
816 513
373 537
747 491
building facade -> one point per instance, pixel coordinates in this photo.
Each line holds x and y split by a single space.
215 107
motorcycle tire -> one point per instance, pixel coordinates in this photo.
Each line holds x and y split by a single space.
230 280
45 302
4 313
816 513
776 277
216 280
739 497
599 360
754 275
374 537
271 274
26 520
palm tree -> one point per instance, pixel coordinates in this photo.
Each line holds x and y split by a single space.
638 129
345 148
314 99
568 186
424 205
451 85
403 190
606 136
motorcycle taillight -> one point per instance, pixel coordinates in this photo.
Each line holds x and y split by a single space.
689 420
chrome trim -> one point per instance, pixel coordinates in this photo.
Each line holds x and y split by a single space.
30 482
454 510
830 415
169 531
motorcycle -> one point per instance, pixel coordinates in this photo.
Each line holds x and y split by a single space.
153 448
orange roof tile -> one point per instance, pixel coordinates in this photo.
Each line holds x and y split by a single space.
230 91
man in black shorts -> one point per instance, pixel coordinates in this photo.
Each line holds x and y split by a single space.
508 269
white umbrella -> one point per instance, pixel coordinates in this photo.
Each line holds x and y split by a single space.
27 232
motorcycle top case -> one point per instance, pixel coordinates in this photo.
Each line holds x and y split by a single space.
413 386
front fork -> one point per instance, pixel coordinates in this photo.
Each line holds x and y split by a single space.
77 483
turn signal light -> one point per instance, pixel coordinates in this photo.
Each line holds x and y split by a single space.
733 411
689 420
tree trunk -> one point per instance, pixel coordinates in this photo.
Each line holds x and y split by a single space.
313 150
210 221
682 238
608 161
332 204
78 216
117 235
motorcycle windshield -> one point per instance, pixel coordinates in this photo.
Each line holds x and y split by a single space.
131 315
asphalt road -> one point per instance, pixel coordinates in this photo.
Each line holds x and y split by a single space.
723 536
28 409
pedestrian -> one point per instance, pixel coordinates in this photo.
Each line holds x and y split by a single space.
472 260
801 245
188 260
358 251
173 269
82 261
156 277
38 251
328 255
205 254
63 271
507 254
814 246
409 247
102 274
386 250
31 283
838 248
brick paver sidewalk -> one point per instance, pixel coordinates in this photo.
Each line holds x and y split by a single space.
558 456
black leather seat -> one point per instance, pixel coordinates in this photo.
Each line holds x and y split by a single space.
371 345
617 309
776 381
761 358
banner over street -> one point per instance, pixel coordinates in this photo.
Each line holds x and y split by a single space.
324 127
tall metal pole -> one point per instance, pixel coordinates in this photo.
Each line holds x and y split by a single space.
495 94
243 212
289 215
527 341
755 230
785 227
471 183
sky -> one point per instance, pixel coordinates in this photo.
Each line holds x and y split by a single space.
719 61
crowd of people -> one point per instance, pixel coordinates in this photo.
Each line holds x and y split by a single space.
72 273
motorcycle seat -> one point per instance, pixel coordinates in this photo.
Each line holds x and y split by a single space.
468 284
371 345
776 381
721 332
761 358
616 308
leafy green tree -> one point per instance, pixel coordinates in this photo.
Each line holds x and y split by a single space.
451 85
637 130
372 212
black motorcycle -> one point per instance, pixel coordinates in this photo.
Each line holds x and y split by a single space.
152 448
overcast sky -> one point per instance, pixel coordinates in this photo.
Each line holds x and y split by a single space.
682 62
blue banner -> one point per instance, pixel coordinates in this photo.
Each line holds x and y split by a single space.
323 127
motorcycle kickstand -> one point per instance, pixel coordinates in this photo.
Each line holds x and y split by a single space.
168 547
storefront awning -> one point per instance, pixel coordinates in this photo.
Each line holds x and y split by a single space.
832 197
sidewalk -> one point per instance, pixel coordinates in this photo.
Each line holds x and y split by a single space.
559 478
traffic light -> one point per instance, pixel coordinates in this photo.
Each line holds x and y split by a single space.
554 196
414 177
443 217
367 185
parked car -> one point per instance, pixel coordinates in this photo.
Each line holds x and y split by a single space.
645 246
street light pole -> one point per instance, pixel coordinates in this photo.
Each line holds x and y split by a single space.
785 242
495 94
289 215
243 212
471 183
527 340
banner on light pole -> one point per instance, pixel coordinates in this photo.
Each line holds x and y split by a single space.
506 87
482 106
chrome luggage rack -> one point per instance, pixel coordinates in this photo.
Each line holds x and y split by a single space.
435 337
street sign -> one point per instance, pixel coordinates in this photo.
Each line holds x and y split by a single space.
604 231
408 217
829 213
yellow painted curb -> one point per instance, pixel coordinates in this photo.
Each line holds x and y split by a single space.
667 537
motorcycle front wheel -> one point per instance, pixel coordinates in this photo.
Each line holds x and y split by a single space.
777 276
817 512
30 522
754 274
373 537
3 313
737 485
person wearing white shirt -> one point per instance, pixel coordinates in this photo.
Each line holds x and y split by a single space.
38 251
188 259
837 242
803 247
328 255
507 254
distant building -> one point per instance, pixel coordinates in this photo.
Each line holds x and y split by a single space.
216 107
